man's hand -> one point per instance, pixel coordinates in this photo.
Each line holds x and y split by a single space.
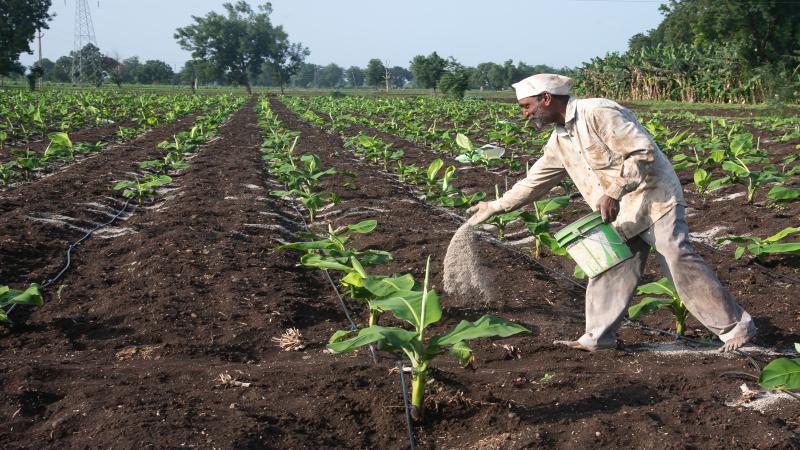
480 212
609 208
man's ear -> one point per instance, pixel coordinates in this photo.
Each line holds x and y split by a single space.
547 98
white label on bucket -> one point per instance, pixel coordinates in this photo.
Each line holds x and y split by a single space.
593 252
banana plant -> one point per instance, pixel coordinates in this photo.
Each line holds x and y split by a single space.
761 247
782 374
483 155
672 302
8 296
410 172
172 161
421 309
538 224
740 162
143 187
783 194
333 248
30 163
60 147
311 200
8 172
501 221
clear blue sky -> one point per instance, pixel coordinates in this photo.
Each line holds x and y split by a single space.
351 32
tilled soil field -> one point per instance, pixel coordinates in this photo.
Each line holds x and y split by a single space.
160 335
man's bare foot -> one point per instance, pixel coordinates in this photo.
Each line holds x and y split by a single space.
576 345
734 344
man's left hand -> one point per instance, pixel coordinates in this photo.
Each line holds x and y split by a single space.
609 208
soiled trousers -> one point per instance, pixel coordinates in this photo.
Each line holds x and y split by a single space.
609 294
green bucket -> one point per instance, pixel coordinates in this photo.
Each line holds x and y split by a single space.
594 245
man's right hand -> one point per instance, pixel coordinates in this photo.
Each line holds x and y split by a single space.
481 212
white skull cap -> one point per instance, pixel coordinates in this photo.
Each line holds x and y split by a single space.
543 82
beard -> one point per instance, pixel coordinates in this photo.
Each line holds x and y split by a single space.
541 120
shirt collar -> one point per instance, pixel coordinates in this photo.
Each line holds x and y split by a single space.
569 118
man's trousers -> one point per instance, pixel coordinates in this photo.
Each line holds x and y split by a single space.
609 294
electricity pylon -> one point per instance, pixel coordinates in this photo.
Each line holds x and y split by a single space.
84 35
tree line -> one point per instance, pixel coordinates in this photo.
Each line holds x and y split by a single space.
703 50
706 51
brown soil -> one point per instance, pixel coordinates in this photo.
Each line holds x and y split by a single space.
135 350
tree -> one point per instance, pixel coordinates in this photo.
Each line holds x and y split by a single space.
47 67
129 69
19 21
195 72
375 75
355 76
237 43
331 76
62 69
155 72
455 80
400 76
90 67
305 76
287 60
766 32
428 70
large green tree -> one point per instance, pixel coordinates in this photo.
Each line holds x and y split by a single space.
19 20
765 31
287 60
355 76
238 43
376 73
427 70
156 72
455 80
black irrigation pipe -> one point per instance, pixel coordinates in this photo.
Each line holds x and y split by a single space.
72 246
86 236
353 326
407 406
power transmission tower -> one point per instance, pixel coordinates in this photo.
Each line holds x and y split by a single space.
84 35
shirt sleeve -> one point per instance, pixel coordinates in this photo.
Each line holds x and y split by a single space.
546 172
628 141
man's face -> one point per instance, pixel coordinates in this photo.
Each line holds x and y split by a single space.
537 111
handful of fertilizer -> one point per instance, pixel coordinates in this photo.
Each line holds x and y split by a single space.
464 278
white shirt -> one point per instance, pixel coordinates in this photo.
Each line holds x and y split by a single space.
605 151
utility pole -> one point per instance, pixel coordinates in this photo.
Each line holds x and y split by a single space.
40 81
388 75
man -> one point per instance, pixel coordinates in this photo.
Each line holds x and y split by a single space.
621 172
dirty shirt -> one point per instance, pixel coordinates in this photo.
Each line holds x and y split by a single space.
605 151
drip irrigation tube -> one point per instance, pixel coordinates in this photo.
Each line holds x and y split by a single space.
407 406
353 326
72 246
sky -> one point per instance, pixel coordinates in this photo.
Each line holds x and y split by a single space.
559 33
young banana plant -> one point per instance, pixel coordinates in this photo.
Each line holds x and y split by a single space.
672 302
421 309
8 296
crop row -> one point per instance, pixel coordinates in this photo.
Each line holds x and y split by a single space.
26 164
398 294
31 115
144 185
736 146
